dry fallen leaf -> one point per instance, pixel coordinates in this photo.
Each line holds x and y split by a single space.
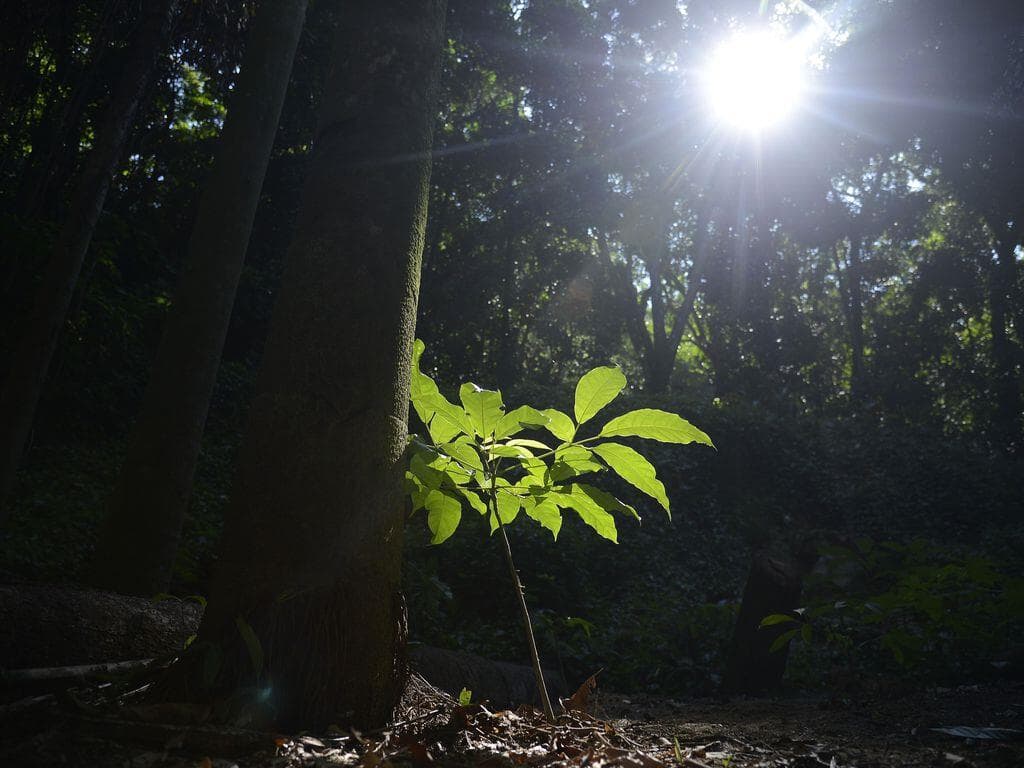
578 701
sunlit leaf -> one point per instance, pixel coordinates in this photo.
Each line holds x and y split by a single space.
529 444
509 451
508 508
634 469
589 511
427 475
448 420
653 424
595 390
416 490
474 500
523 417
483 408
560 425
606 501
443 515
464 453
546 513
421 386
571 461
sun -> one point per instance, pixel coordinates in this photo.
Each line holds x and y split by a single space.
754 80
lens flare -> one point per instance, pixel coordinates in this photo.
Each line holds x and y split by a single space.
754 80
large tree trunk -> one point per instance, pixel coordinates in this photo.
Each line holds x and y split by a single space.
140 539
20 393
311 555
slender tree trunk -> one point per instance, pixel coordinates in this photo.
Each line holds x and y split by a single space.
56 138
853 305
311 556
140 539
19 395
624 294
1008 425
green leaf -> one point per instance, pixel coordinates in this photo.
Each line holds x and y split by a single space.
421 386
596 389
576 621
508 509
474 500
448 420
465 697
805 633
436 470
416 490
560 425
571 461
535 468
422 469
606 501
544 512
775 618
783 639
523 417
509 451
653 424
529 444
634 469
443 515
589 511
483 407
464 453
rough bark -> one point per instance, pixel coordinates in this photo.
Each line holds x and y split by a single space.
19 395
140 538
44 625
313 533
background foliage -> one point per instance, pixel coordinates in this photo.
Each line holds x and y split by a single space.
854 343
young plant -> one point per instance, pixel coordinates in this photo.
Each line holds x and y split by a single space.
473 456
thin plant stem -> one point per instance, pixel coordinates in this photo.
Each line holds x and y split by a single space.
538 673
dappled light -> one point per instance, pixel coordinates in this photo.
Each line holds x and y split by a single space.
496 383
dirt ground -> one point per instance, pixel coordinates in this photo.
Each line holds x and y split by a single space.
884 729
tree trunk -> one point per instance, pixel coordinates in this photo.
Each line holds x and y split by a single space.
853 305
1007 387
140 538
310 563
773 586
20 393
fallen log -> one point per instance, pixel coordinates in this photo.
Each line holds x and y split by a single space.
55 636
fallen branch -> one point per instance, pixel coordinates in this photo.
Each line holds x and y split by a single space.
79 673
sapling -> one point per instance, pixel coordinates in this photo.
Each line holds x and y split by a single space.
472 455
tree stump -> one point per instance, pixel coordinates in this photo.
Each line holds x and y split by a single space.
773 586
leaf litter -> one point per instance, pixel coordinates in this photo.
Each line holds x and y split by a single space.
595 730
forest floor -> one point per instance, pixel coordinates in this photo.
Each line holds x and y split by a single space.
882 730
